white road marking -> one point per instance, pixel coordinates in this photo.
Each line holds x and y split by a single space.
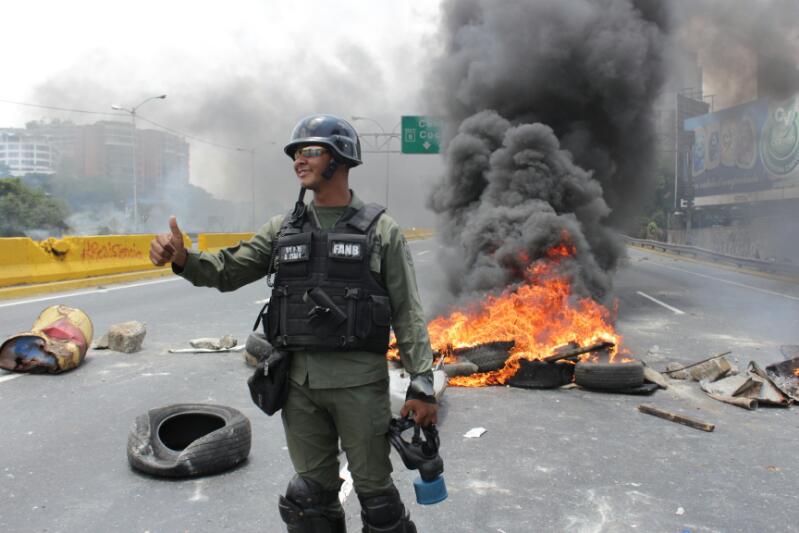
261 302
9 377
423 252
667 306
84 293
743 285
346 487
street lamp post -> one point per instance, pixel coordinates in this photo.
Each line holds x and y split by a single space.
132 111
384 147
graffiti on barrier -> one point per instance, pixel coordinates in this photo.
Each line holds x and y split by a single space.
93 251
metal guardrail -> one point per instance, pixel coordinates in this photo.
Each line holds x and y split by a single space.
787 269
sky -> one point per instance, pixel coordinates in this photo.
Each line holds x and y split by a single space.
239 76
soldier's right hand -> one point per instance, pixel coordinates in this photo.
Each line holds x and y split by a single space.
168 247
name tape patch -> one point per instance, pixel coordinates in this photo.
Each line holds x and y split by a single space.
346 250
294 252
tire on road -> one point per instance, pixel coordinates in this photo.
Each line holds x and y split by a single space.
256 349
607 376
488 357
185 440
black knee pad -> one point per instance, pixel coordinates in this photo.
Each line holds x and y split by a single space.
307 493
303 508
385 513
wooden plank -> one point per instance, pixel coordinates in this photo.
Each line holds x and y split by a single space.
567 354
675 417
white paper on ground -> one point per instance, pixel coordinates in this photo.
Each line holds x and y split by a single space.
474 433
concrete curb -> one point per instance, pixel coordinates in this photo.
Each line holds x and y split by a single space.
21 291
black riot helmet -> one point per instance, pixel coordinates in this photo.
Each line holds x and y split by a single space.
329 131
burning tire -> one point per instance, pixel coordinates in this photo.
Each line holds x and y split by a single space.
607 376
489 356
185 440
256 349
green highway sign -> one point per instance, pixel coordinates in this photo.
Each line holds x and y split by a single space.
420 135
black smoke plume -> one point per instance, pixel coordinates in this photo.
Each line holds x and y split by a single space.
550 107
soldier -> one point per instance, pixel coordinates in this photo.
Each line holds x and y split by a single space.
343 276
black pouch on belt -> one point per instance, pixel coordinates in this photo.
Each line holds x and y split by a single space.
269 384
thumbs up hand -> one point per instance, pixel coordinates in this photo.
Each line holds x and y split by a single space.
168 247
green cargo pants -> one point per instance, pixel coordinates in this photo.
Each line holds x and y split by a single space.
315 419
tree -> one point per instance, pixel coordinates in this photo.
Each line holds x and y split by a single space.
88 193
24 209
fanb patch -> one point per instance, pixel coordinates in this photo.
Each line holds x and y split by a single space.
294 252
346 250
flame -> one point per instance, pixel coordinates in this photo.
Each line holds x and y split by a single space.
796 372
539 315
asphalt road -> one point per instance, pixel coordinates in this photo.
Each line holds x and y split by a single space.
557 460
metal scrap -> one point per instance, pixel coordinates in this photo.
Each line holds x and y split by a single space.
746 390
785 376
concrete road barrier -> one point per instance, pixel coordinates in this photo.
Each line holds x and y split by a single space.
24 261
30 267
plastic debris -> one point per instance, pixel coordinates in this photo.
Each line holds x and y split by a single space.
475 433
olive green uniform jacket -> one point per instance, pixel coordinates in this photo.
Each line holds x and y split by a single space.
236 266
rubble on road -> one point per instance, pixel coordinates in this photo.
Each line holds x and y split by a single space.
676 371
653 376
126 337
747 390
785 376
211 343
101 343
710 369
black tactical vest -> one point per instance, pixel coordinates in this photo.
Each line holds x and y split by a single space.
324 295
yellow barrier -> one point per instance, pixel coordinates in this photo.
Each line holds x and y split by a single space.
413 234
23 261
211 242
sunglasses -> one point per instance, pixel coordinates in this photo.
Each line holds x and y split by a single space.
309 151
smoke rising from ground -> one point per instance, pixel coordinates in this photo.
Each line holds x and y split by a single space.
551 104
747 48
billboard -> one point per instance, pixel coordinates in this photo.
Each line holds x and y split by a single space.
747 148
